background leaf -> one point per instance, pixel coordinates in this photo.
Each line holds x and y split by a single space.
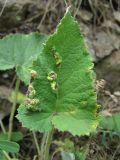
19 51
69 99
23 73
2 157
16 136
9 146
111 123
20 97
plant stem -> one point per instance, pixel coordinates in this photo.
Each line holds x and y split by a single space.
36 143
65 3
45 146
6 155
13 109
2 126
35 157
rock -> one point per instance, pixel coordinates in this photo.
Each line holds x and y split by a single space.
104 43
10 16
112 26
101 42
85 15
91 48
117 93
15 2
14 12
109 69
117 16
86 31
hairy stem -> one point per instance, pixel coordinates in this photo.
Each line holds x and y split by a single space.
13 109
45 146
2 127
6 155
36 143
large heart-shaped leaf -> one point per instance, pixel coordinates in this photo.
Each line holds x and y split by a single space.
19 51
64 88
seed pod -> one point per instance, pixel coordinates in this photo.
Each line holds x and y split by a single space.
34 102
54 86
32 108
33 74
58 58
30 91
52 76
83 103
30 88
27 101
31 104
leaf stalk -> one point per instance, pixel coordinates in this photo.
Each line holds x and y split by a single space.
45 145
36 143
17 85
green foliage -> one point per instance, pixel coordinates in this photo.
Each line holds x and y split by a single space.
19 51
16 136
111 123
80 154
69 150
63 91
65 145
2 157
20 97
9 146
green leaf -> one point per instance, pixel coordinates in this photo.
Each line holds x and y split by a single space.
23 73
16 136
81 153
9 146
35 120
19 51
79 123
20 97
2 157
111 123
64 85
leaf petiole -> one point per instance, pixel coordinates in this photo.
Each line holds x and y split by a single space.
13 109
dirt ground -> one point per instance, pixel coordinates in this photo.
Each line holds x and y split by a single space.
100 24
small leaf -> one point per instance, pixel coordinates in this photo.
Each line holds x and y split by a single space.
81 153
2 157
66 92
19 51
23 73
16 136
111 123
9 146
117 16
20 97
